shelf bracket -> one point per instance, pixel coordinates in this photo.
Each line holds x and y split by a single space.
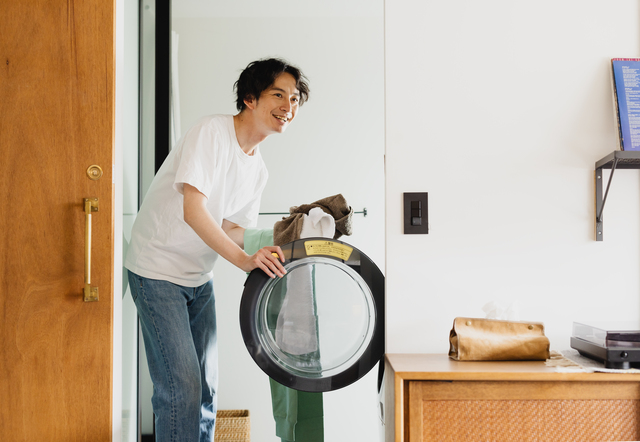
600 200
616 160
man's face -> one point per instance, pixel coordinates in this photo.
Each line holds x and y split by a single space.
278 104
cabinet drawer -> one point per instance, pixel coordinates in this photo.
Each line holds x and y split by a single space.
523 411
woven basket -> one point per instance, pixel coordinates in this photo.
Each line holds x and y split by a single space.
233 426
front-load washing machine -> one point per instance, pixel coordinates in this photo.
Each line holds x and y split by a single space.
321 326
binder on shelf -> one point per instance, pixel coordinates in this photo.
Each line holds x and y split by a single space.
626 97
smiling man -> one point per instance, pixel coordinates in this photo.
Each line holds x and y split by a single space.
204 196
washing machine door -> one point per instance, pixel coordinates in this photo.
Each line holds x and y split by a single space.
321 326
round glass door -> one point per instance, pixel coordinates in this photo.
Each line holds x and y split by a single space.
321 326
318 319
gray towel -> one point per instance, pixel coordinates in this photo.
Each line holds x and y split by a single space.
290 227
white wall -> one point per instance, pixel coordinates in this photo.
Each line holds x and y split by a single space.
499 109
341 126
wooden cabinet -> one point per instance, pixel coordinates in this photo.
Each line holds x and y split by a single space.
434 398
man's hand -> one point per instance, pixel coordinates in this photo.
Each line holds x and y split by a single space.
269 259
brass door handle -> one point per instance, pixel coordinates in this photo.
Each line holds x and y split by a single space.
90 293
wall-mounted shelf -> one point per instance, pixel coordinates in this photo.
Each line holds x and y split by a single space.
615 160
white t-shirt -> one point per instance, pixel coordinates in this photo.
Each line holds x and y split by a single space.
208 157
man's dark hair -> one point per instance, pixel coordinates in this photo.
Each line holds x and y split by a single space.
261 74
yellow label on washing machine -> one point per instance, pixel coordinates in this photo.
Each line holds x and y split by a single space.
330 248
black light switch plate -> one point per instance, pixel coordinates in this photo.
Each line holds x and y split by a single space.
420 225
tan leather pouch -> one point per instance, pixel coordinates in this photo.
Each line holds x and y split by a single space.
473 339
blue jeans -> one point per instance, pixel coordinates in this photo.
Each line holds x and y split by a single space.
179 329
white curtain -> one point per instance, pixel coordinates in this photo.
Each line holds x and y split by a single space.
175 95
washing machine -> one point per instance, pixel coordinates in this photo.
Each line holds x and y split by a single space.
321 326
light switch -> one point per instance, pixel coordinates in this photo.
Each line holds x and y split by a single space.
415 213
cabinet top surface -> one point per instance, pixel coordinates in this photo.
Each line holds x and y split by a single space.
440 366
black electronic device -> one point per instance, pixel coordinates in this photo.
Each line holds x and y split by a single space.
616 345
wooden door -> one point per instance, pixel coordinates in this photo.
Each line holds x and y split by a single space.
57 93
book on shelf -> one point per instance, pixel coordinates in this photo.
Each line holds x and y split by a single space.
626 96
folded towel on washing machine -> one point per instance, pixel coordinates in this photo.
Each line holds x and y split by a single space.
318 223
290 228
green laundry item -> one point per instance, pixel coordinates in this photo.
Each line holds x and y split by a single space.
255 239
299 415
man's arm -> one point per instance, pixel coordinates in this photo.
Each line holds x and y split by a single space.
234 231
227 246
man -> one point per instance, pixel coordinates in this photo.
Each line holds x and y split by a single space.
205 195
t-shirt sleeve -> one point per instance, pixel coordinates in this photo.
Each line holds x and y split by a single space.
196 160
248 216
